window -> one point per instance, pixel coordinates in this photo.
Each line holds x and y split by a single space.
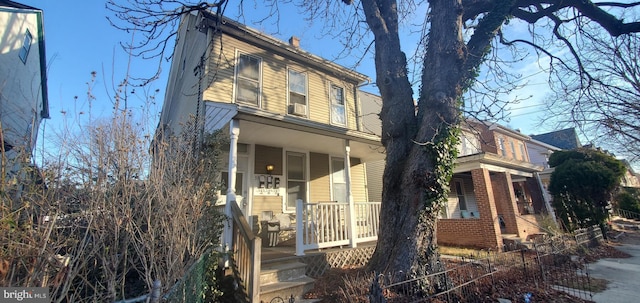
468 144
459 189
501 147
337 105
248 79
26 46
296 179
513 150
523 153
297 93
339 180
224 178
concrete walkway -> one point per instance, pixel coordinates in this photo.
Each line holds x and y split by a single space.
623 274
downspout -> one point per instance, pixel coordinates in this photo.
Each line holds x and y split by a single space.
545 198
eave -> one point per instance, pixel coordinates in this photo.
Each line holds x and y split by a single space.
495 163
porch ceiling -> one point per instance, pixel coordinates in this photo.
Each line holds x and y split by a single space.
296 137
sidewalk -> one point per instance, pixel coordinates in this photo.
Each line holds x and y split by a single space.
623 274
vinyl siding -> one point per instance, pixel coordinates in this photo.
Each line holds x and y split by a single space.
266 203
358 180
274 85
320 182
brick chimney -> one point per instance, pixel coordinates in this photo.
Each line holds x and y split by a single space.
294 41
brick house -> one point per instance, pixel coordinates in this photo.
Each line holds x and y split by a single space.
495 195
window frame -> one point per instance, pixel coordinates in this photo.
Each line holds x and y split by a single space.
305 96
286 207
333 105
501 147
523 151
26 46
239 78
460 194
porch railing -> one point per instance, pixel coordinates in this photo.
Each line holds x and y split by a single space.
367 221
326 224
246 250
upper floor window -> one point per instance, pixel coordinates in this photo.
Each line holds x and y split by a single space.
248 79
523 153
501 148
469 144
513 150
337 105
297 93
26 46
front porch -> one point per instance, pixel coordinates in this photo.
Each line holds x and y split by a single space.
492 196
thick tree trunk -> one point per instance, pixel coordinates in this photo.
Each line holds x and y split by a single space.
412 188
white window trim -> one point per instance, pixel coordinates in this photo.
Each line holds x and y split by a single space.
502 149
464 194
285 178
306 90
235 77
331 179
344 103
26 47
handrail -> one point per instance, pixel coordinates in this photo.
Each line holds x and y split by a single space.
243 224
246 250
628 214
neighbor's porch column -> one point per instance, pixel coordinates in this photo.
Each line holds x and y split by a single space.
351 219
234 131
487 207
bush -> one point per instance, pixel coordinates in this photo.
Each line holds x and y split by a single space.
629 199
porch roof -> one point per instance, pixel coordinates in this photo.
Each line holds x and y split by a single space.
266 128
495 163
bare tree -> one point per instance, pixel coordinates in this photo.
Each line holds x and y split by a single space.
458 36
604 100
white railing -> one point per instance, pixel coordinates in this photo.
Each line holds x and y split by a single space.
367 221
247 253
326 224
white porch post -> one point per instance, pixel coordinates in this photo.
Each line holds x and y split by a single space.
234 131
351 219
301 221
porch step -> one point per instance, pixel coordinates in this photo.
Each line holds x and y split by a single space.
282 279
513 242
281 271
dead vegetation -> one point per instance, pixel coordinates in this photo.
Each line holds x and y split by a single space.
353 284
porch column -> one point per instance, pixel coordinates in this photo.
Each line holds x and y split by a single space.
487 207
506 202
234 131
351 219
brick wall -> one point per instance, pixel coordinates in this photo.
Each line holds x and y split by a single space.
463 232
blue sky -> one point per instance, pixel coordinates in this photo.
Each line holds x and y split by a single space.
80 40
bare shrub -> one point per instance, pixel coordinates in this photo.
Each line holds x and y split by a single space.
103 218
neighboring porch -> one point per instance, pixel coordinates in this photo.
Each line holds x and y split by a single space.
493 201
